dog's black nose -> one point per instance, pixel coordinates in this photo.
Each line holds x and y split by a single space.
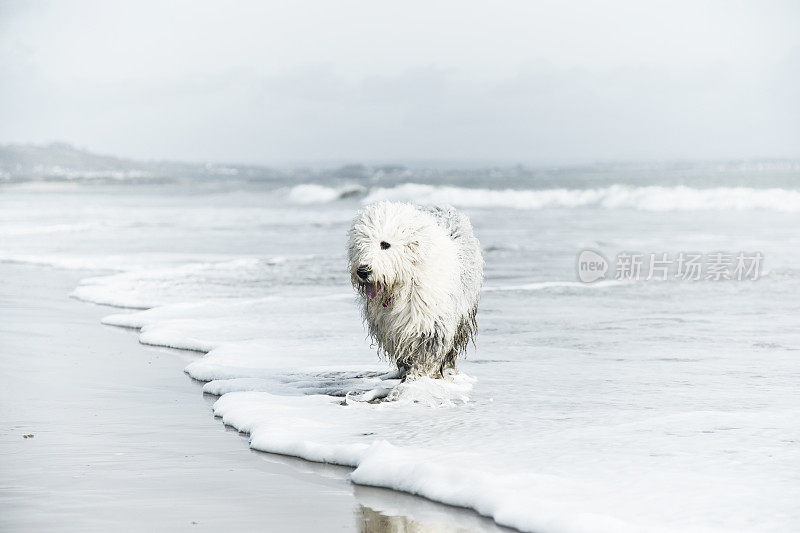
363 271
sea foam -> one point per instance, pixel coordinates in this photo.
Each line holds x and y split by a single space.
647 198
653 198
292 370
543 430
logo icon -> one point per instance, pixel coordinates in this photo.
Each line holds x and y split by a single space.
592 266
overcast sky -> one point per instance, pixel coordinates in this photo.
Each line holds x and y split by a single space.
503 81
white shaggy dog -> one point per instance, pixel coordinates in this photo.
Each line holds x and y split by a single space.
419 272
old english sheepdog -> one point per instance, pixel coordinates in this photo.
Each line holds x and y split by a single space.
418 271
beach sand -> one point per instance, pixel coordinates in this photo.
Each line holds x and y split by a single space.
123 440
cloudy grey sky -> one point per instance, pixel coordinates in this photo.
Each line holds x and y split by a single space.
505 81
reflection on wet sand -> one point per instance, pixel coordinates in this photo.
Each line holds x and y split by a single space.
371 521
387 511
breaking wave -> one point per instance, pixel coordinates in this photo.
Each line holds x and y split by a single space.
311 193
652 198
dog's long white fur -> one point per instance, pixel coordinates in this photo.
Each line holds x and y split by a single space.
428 282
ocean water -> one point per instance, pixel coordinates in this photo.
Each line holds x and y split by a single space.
620 405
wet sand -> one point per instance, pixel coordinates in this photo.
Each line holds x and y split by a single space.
124 441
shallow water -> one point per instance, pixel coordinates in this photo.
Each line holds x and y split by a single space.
630 405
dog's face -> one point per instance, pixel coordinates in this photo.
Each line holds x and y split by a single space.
388 244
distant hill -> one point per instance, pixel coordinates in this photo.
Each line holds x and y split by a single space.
22 158
62 161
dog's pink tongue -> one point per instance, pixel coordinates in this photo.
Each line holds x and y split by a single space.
372 290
